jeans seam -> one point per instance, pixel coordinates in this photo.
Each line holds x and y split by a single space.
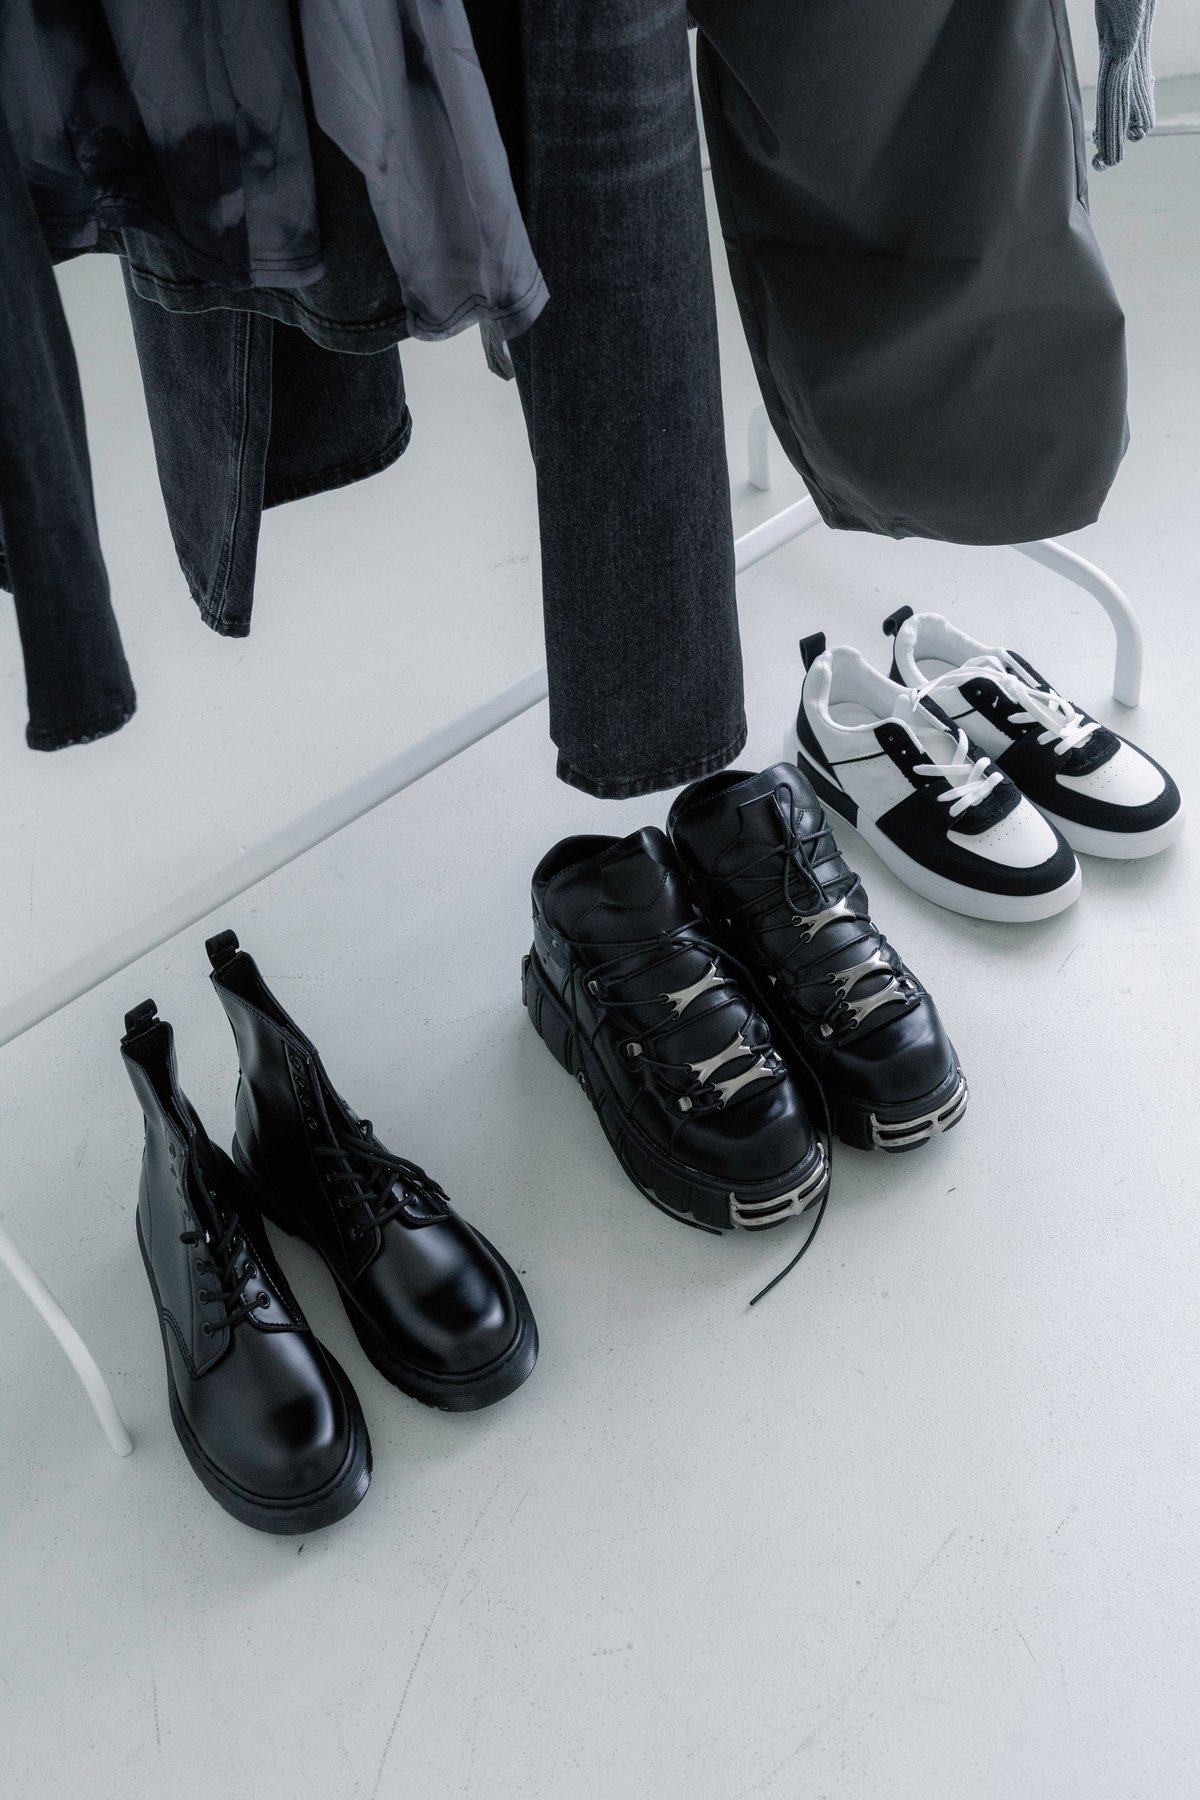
244 331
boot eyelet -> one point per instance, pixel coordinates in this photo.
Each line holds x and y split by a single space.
204 1296
249 1271
311 1123
593 987
207 1329
632 1051
264 1299
683 1103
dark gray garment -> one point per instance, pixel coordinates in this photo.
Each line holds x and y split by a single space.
621 388
76 675
356 305
247 413
903 195
1125 81
188 123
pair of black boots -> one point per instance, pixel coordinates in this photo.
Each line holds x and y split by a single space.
711 986
266 1416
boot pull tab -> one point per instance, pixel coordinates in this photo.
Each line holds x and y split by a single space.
892 624
811 648
222 949
141 1019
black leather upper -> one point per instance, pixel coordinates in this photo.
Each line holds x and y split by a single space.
423 1282
618 935
760 854
255 1387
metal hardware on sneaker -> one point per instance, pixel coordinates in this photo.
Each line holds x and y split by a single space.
845 979
756 1215
906 1134
683 997
759 1071
811 923
860 1009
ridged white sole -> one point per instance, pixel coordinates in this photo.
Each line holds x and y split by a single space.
955 896
1124 845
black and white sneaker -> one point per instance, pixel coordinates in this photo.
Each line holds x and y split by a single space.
1104 795
932 806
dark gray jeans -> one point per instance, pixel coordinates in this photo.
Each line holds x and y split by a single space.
76 675
620 381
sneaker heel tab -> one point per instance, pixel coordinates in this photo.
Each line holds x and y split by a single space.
811 648
894 621
222 949
141 1019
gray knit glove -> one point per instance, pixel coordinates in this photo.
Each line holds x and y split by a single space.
1125 87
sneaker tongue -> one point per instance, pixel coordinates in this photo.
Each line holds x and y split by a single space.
633 890
722 825
727 832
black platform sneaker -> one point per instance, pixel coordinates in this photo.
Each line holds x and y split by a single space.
1105 796
840 1001
266 1417
436 1308
628 989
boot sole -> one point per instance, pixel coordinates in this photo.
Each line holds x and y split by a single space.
281 1518
469 1392
680 1192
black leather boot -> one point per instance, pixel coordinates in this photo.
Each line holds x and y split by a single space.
765 868
435 1307
628 989
266 1417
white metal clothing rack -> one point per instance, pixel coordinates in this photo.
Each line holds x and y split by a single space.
392 777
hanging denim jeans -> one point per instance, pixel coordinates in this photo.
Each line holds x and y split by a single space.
76 676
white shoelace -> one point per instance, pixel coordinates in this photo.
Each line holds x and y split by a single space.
971 778
1062 724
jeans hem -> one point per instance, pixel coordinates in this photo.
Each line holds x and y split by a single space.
103 724
631 787
343 474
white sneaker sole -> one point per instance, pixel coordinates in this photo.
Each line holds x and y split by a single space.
975 903
1125 845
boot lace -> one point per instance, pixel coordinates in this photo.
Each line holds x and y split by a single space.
838 904
692 1086
228 1291
388 1186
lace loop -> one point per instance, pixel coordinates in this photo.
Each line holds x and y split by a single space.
970 777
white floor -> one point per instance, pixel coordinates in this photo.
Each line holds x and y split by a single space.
921 1525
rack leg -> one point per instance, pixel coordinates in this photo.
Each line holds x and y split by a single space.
80 1357
1127 675
759 447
